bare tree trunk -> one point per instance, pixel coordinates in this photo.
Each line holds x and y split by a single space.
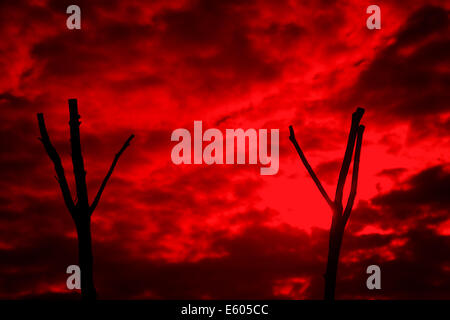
77 157
83 221
334 248
80 211
85 259
340 215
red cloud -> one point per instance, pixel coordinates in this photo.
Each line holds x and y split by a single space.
166 231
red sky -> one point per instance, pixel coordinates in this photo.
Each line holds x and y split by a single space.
225 231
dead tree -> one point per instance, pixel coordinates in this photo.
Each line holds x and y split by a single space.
340 215
80 210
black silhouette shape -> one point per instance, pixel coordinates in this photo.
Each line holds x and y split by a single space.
340 215
80 210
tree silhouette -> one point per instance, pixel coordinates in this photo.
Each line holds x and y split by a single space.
340 215
80 210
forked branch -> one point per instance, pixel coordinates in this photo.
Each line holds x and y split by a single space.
352 195
340 215
108 175
356 118
308 167
54 157
80 210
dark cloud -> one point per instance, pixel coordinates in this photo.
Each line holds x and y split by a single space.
413 253
421 24
408 78
393 173
429 187
251 263
419 269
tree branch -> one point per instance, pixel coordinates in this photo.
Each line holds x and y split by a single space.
54 157
108 175
356 118
351 198
77 158
308 167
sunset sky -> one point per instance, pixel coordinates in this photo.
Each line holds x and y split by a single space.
166 231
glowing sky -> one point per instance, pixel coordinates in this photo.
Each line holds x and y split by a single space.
225 231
